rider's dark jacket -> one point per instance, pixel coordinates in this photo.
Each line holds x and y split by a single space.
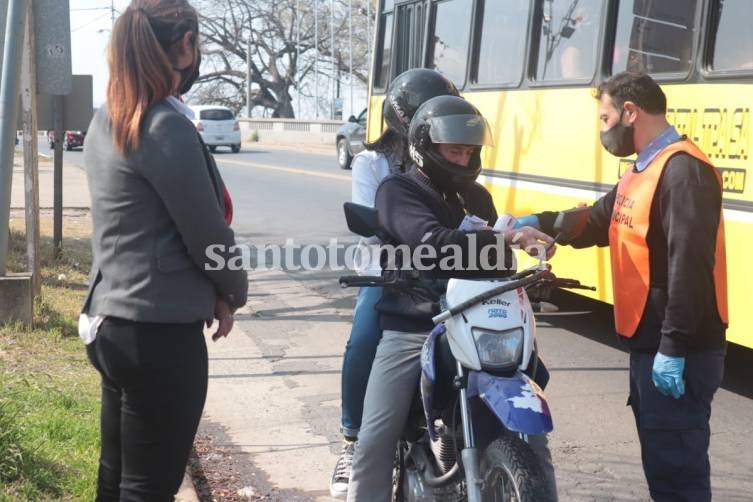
414 213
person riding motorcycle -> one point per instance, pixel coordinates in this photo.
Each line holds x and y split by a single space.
431 204
386 155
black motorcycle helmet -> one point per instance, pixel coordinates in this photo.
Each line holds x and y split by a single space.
408 91
448 120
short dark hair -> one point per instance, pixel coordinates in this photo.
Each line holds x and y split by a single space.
639 88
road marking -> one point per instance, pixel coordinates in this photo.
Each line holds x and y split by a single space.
291 170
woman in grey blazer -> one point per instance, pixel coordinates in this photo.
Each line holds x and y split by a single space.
157 205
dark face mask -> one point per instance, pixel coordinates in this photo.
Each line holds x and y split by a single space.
189 74
619 139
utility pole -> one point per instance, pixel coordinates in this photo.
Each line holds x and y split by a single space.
350 53
31 159
368 32
332 53
112 13
248 76
316 55
298 57
9 94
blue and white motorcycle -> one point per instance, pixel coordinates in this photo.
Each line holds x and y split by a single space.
467 435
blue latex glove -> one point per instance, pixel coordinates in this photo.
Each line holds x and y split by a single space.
530 220
667 375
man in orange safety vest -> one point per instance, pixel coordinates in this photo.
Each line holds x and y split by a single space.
664 226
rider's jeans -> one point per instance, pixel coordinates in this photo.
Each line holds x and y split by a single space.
359 356
392 385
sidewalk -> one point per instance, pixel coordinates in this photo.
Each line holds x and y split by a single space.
75 187
274 388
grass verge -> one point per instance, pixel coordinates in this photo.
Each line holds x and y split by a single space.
49 393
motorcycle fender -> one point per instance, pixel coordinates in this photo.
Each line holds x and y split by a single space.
429 377
516 401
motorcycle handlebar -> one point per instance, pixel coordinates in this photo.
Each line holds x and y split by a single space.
571 284
530 278
361 281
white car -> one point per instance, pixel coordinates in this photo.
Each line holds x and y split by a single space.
217 126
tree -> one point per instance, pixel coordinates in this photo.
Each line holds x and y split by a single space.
279 60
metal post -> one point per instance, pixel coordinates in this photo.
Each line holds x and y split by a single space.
248 76
112 13
298 57
9 94
332 54
368 33
57 176
316 55
350 53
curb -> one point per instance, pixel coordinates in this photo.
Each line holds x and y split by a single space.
323 148
187 492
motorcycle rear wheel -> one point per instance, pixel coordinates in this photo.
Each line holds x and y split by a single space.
511 472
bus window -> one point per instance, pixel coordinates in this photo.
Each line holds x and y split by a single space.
568 40
410 35
731 38
654 37
501 43
384 49
451 38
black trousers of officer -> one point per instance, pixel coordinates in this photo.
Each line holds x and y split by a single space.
674 433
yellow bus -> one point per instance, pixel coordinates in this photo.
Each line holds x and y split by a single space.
530 66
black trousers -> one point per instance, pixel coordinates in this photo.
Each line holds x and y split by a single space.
154 384
674 433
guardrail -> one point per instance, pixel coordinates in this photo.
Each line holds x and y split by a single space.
291 131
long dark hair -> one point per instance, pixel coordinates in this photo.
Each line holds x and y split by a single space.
139 58
393 146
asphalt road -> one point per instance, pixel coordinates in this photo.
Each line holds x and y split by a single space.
274 393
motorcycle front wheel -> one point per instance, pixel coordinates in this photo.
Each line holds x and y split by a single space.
511 472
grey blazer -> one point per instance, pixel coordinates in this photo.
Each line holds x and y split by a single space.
155 211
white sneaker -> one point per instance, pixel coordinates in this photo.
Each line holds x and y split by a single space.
338 487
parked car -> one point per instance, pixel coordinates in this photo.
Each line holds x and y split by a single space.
217 126
349 139
71 139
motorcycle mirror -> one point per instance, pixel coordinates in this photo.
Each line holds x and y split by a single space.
571 222
361 220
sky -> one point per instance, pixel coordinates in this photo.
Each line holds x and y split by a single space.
90 33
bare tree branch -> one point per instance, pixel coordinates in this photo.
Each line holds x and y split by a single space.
279 60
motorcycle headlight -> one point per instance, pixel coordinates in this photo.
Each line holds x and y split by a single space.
498 350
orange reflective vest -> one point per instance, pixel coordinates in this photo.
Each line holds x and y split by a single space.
627 240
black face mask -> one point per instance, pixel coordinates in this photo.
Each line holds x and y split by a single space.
189 74
619 139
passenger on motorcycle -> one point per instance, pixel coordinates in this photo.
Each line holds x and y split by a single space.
386 155
427 205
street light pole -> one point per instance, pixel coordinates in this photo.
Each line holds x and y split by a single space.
334 61
298 57
316 55
350 53
248 76
10 85
368 31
